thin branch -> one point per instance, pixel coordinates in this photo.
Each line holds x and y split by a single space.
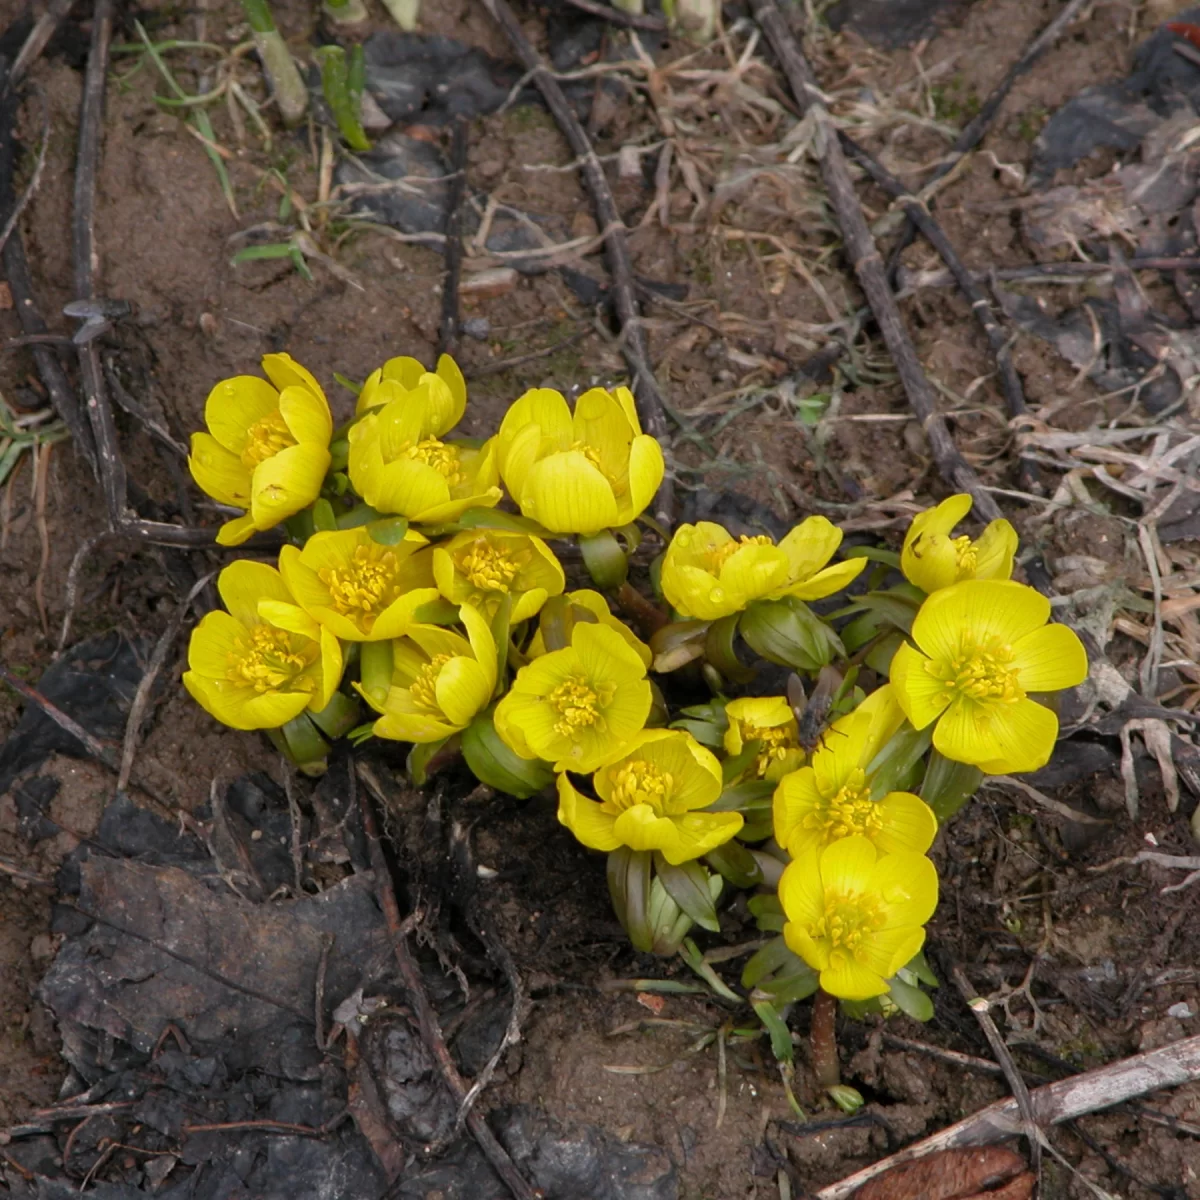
616 244
868 266
453 250
37 40
1064 1100
618 16
414 986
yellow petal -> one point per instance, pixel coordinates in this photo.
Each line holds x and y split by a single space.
290 616
287 482
825 583
887 950
395 620
846 866
1049 659
801 944
237 531
508 719
696 593
244 583
218 472
407 487
483 644
800 889
986 608
462 689
284 371
851 980
528 604
919 694
795 797
931 563
646 471
419 728
451 510
600 424
594 602
994 551
214 643
236 404
908 824
566 494
941 519
1003 739
749 573
585 818
516 458
332 666
448 371
433 640
368 396
404 370
624 397
908 886
605 655
307 415
809 546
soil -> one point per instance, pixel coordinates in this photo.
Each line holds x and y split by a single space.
1086 965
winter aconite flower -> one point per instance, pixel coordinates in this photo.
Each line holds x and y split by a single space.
576 706
408 372
593 603
359 589
769 721
578 473
482 566
832 797
649 797
857 917
440 680
980 648
267 446
933 559
253 674
708 573
400 462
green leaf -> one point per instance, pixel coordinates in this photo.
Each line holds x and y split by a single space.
254 253
766 960
735 863
691 955
390 531
687 885
750 796
910 1000
948 785
494 518
776 1027
720 652
419 758
792 987
629 887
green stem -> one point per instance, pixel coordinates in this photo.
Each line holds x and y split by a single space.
290 92
346 12
823 1041
335 83
375 669
404 12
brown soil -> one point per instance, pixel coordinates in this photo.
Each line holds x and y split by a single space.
1109 953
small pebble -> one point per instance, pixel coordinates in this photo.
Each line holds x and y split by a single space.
477 327
1180 1011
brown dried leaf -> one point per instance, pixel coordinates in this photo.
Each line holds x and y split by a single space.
950 1175
1020 1188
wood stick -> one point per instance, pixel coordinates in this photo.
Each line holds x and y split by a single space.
453 247
1169 1066
616 245
868 266
618 16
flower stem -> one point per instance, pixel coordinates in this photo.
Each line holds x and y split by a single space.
281 69
337 82
823 1041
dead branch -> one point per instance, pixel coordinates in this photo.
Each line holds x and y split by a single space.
1169 1066
618 16
868 266
423 1010
453 249
613 230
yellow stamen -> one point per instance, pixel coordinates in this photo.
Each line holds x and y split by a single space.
365 586
775 743
423 689
846 923
979 672
719 555
268 661
265 438
851 811
489 568
442 457
966 557
579 704
641 782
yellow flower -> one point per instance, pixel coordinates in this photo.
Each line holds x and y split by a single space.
594 603
855 916
708 573
362 591
831 798
583 473
481 566
254 673
576 706
769 721
932 559
440 680
981 647
649 797
408 372
399 462
267 448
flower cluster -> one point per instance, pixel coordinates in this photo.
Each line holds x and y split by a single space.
418 584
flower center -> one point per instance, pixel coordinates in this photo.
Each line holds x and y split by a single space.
423 689
365 586
851 811
980 672
579 706
718 556
489 568
966 557
846 923
775 743
265 438
267 661
641 782
441 456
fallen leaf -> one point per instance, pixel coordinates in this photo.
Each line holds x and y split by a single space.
950 1175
